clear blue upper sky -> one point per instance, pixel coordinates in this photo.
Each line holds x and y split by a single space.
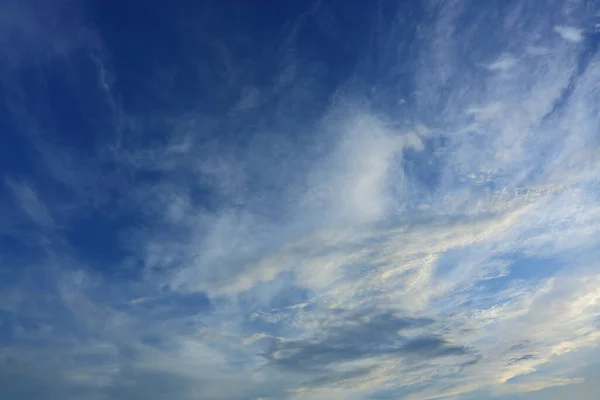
347 200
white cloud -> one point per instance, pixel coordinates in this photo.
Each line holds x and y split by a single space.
569 33
28 201
544 384
503 64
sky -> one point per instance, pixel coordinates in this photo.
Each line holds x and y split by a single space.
288 200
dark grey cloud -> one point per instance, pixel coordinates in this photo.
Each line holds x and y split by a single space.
525 357
359 335
363 336
432 346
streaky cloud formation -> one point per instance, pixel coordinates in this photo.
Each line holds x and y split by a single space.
300 200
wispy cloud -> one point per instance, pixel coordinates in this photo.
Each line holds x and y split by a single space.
27 200
569 33
302 233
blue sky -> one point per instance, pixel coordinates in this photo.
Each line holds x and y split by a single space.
299 200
